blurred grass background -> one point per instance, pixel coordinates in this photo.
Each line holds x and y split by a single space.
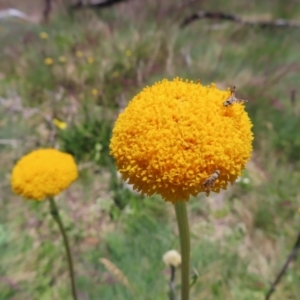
82 68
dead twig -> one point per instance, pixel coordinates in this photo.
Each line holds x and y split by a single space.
292 256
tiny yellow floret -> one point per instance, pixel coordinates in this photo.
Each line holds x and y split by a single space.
43 173
177 139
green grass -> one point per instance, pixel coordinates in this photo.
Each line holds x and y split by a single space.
240 237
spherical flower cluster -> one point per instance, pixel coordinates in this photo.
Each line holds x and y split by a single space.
43 173
48 61
59 124
177 138
44 35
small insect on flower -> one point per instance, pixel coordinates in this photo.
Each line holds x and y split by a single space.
232 99
210 181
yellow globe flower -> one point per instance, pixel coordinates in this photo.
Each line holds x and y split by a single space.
48 61
59 124
90 59
44 35
43 173
176 138
95 92
79 54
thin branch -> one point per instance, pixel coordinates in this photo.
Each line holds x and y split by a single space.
100 4
234 18
290 258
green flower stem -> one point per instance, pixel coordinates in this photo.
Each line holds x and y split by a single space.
55 214
184 234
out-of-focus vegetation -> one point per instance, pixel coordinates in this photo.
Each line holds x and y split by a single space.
82 68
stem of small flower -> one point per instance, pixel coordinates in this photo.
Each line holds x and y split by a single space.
55 214
184 234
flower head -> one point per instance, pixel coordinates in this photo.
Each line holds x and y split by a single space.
95 92
128 53
42 173
90 59
172 258
79 54
115 74
59 124
48 61
176 139
44 35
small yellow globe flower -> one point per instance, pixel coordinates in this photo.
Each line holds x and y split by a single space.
176 139
128 53
79 54
59 124
90 60
43 173
48 61
95 92
115 74
44 35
